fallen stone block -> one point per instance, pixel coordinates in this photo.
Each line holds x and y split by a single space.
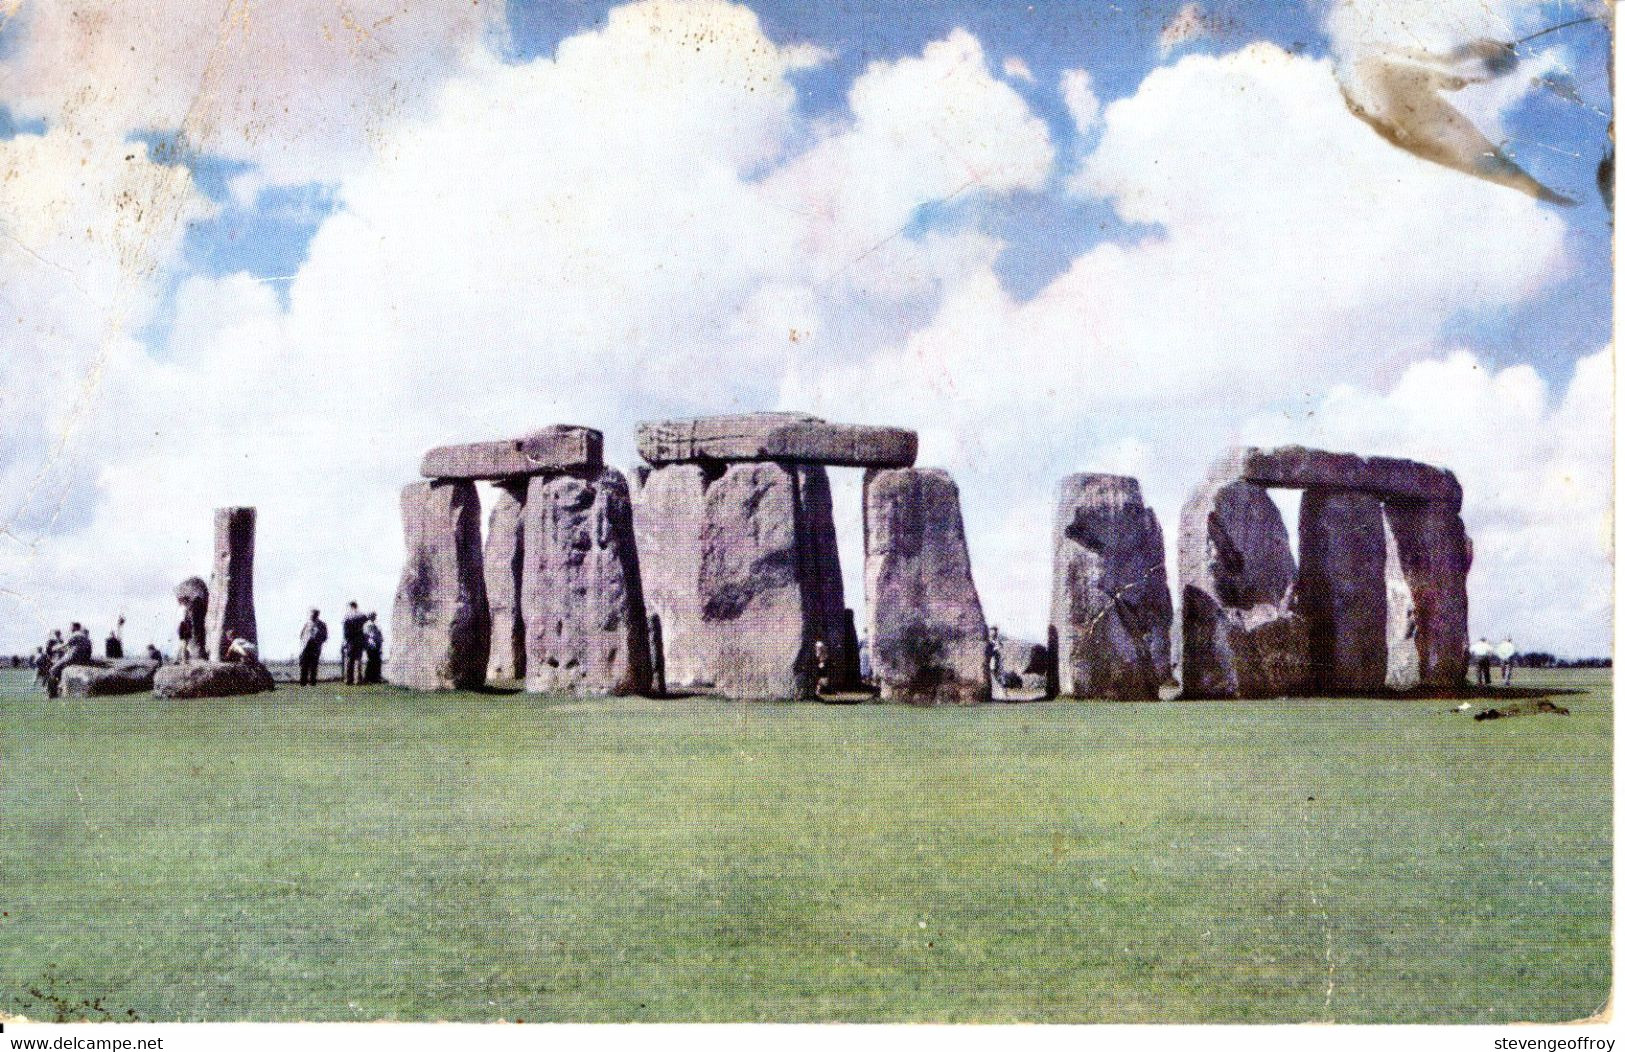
108 678
211 679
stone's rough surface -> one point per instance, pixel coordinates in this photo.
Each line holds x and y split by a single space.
1242 637
1435 555
1404 665
106 678
211 679
504 561
1343 590
1110 601
231 591
927 635
193 595
776 436
668 510
1295 467
585 625
442 626
769 582
560 448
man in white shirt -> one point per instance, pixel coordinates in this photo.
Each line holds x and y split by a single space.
1506 652
1482 652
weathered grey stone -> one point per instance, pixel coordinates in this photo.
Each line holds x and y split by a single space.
211 679
231 589
442 625
1295 467
927 634
1110 603
1435 555
775 436
1343 590
193 596
107 678
504 570
1404 664
585 624
1242 637
560 448
668 513
769 580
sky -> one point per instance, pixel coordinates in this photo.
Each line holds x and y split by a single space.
267 254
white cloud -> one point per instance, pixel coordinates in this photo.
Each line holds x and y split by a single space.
1016 69
304 89
1077 89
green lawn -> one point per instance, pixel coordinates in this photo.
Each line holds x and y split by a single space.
363 853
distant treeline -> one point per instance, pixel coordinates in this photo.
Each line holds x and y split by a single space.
1539 659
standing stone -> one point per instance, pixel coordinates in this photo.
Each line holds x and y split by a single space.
1343 589
668 512
769 579
1242 637
442 626
231 589
504 563
927 635
1404 664
1110 601
193 596
585 624
1435 555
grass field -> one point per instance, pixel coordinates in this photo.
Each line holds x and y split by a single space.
364 853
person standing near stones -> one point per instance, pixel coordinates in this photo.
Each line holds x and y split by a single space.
311 638
154 654
1506 652
1481 653
355 645
114 645
995 660
372 638
76 651
821 663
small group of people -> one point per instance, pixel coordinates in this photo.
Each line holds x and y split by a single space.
61 653
1483 654
361 651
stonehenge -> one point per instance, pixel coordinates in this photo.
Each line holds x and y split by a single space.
716 570
231 588
1378 602
927 634
1109 601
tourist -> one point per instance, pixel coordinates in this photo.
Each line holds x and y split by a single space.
1482 653
355 644
821 662
184 631
240 649
1506 652
154 654
311 638
995 660
372 638
76 650
113 645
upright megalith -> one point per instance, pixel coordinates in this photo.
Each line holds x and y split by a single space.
1343 589
1435 555
442 625
1109 602
668 512
582 596
1242 636
231 588
927 634
504 570
769 586
193 596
